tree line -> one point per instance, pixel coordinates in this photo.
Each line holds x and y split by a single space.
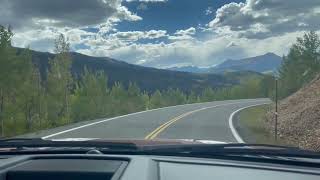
30 102
301 64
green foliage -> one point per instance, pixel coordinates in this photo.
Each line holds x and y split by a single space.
173 97
301 64
59 84
19 96
267 86
156 100
208 95
90 97
193 98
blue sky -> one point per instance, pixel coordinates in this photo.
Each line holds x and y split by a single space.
162 33
171 15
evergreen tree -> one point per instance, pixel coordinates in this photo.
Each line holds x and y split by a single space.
118 97
208 95
301 64
29 90
59 84
267 86
156 100
90 97
15 72
136 100
192 97
146 100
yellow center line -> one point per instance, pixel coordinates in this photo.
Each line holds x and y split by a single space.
167 125
164 126
160 127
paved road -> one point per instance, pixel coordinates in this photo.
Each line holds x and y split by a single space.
207 121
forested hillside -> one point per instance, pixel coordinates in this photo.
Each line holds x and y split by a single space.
59 91
299 79
148 79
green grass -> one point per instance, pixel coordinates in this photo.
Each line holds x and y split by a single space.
253 121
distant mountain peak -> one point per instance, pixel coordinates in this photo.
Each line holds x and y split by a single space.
270 54
268 62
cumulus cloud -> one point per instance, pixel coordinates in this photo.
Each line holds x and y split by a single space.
165 54
61 13
213 50
189 31
238 30
100 45
202 53
136 35
37 23
265 18
184 34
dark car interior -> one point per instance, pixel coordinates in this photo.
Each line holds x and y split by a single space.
144 167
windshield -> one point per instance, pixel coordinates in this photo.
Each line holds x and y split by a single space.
217 71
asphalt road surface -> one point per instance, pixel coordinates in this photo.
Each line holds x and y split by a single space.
205 121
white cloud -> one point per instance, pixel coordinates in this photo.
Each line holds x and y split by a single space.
142 6
39 39
267 18
238 30
124 46
185 34
31 14
154 34
124 13
118 42
208 11
201 53
37 23
136 35
189 31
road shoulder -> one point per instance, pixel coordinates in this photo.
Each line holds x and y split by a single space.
250 124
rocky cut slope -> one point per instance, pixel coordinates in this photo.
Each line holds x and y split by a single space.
299 117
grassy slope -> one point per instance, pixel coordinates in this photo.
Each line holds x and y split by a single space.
251 125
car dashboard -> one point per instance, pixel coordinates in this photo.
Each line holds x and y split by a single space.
144 167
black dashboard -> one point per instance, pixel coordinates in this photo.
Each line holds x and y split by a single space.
140 167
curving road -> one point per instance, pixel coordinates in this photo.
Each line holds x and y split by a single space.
206 121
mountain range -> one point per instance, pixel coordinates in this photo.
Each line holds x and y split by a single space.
148 79
267 63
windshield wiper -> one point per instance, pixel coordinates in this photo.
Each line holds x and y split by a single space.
39 143
233 149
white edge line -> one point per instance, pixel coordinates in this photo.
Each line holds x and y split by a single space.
110 119
233 129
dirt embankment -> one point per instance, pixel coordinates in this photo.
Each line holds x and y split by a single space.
299 117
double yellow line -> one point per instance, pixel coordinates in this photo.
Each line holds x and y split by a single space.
164 126
161 128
